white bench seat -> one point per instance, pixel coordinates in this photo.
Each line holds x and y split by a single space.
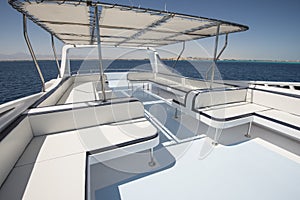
175 82
52 146
240 113
60 178
166 82
185 88
53 165
112 135
229 115
230 111
82 92
286 123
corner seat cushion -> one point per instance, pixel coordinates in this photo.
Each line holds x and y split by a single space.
47 147
60 178
51 167
286 123
111 136
281 116
232 111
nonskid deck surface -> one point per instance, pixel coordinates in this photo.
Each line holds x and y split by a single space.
188 166
245 171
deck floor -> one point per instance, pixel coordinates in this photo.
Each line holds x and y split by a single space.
188 166
245 171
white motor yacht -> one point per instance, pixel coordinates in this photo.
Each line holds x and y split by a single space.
145 134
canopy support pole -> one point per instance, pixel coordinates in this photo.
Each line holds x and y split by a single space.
215 57
55 56
32 52
219 55
152 53
182 50
224 47
100 54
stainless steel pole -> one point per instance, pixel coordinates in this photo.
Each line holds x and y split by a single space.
180 54
215 56
55 56
100 54
32 52
224 47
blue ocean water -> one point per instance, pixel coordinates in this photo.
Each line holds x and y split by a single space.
20 78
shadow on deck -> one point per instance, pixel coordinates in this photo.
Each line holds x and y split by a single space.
106 177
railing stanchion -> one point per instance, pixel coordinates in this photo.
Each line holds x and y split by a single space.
152 162
55 56
32 52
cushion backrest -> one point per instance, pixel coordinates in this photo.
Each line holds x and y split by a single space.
57 94
213 98
13 145
277 101
199 84
70 117
174 78
139 76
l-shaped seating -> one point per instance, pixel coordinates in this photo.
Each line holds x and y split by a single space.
180 85
225 106
75 89
235 106
48 147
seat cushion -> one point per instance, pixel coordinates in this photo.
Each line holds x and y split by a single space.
113 135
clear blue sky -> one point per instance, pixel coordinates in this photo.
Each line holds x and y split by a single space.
274 26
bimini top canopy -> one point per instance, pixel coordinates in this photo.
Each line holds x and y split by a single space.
73 22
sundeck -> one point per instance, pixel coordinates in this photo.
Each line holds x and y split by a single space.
151 134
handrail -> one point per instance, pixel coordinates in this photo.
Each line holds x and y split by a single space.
2 113
55 56
32 52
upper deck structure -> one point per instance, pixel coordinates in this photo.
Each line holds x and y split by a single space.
145 135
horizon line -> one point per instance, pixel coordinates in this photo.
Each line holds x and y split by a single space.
182 59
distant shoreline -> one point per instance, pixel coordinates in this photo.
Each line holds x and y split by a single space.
171 59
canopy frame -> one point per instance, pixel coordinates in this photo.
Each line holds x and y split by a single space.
100 54
161 25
